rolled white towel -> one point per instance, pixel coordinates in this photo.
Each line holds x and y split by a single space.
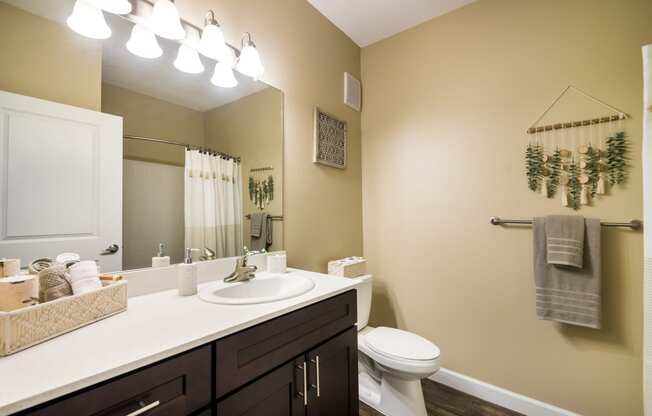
83 270
84 277
86 285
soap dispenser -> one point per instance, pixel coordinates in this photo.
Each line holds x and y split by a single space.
187 276
161 260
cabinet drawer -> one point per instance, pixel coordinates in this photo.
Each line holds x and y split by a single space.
177 386
241 357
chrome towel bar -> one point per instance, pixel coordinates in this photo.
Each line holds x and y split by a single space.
633 224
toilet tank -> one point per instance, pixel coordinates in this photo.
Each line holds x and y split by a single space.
364 301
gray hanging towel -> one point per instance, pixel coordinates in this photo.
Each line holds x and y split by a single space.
565 240
568 294
263 222
257 224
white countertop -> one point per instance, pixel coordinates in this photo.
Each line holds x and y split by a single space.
154 327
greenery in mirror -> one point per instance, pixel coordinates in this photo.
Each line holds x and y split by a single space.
616 158
574 185
554 165
261 192
534 165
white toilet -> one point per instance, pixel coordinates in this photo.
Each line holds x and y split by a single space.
391 363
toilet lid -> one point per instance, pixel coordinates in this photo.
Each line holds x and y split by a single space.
401 344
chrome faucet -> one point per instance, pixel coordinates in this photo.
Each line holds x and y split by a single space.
242 271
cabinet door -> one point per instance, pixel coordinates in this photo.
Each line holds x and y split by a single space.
279 393
333 376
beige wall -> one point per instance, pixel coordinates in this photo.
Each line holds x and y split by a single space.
445 153
151 213
43 59
305 56
151 117
252 127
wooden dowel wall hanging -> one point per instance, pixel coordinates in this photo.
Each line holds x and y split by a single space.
575 160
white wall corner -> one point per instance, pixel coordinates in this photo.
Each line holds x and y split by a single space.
497 395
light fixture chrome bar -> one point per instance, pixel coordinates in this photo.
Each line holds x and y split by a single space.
633 224
133 17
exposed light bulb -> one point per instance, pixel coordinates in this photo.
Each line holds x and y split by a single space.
188 60
223 76
112 6
88 21
165 20
249 60
143 43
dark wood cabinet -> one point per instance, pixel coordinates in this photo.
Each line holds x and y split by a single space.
275 394
333 376
177 386
322 382
303 363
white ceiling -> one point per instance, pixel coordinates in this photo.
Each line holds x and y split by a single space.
156 78
368 21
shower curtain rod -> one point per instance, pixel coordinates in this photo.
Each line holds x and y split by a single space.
186 145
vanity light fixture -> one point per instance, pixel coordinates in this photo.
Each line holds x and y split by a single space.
188 60
113 6
88 20
212 43
165 20
249 60
143 43
223 76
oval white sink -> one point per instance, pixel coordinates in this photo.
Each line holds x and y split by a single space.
263 289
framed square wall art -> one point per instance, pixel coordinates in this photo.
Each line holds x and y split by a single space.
330 140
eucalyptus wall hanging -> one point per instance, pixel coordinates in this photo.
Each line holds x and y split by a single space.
261 186
575 161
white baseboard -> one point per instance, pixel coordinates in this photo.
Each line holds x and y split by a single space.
501 397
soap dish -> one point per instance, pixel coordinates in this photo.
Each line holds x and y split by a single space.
23 328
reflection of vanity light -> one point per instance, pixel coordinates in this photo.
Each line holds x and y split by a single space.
212 43
165 21
143 43
223 76
112 6
249 60
88 21
188 60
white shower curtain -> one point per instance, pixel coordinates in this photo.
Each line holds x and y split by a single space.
213 204
647 208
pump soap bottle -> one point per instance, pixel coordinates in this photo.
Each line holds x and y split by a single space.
187 276
161 260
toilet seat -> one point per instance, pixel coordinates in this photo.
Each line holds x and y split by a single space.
402 345
388 346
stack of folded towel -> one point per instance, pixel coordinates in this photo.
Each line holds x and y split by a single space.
567 269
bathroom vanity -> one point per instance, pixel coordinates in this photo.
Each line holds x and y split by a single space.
302 361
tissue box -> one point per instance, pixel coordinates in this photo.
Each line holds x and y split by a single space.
348 267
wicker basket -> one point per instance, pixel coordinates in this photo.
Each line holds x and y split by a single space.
29 326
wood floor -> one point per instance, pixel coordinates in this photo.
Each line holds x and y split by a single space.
444 401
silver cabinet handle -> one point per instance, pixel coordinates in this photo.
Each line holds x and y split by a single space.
112 249
144 408
304 394
316 362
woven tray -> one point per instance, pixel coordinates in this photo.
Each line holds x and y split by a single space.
29 326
